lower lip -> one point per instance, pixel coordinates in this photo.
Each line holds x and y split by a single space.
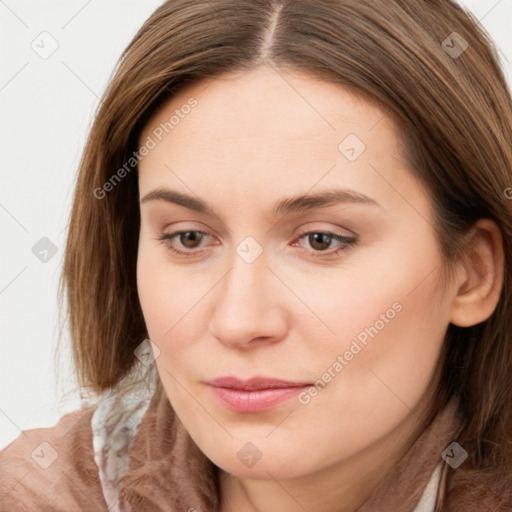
256 400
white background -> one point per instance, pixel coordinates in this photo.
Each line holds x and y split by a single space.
46 111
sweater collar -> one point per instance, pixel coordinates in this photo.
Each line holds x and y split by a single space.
168 472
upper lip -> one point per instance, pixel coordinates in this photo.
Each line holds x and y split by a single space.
254 383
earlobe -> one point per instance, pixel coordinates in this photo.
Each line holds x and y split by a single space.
479 288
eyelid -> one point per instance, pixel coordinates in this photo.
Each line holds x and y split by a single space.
314 229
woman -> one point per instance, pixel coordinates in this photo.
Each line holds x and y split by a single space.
287 269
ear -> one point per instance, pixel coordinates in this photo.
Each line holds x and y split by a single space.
481 275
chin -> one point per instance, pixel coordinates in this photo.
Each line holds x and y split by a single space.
252 461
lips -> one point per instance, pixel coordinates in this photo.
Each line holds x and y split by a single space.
254 383
254 395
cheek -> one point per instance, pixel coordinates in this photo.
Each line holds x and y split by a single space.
392 323
172 303
161 295
151 292
159 285
160 291
387 320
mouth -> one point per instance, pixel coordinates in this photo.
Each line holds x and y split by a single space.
254 395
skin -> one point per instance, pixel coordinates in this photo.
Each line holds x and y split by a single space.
253 139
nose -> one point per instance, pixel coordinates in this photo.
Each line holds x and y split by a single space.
249 305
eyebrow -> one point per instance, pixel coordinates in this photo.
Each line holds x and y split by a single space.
285 206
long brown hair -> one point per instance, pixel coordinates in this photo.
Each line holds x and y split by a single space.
454 109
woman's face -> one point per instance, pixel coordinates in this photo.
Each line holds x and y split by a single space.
258 290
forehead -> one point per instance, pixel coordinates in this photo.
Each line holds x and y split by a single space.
265 103
266 129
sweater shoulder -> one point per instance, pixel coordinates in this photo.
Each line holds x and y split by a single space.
53 468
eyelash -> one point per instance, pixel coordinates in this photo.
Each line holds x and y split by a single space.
346 243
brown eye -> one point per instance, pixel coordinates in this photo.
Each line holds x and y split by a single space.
189 239
183 243
319 241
